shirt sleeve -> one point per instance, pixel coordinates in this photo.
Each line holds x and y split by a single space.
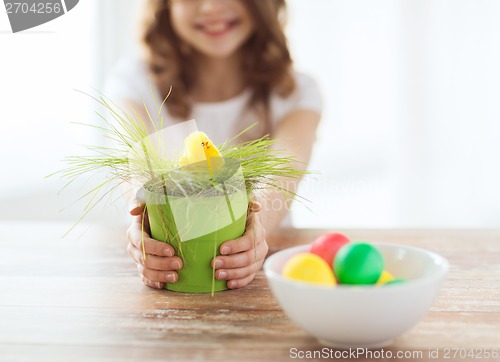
307 96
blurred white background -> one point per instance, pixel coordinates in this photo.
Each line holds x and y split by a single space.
408 138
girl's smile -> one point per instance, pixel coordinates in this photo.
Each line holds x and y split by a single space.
217 27
214 28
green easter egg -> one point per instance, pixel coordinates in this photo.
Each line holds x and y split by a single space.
358 263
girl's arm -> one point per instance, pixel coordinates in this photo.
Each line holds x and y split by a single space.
296 134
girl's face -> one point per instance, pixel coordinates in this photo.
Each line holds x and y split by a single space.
215 28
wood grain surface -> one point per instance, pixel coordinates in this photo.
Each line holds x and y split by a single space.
81 299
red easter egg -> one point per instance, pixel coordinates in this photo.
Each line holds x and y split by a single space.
327 245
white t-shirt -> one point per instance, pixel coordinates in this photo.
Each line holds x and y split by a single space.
129 80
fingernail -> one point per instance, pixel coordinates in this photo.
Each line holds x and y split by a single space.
222 275
176 265
224 250
133 205
168 252
218 263
170 278
255 206
231 285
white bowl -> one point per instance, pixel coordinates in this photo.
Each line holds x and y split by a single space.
361 316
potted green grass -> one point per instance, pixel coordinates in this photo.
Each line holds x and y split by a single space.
197 194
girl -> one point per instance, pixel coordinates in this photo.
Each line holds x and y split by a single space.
229 66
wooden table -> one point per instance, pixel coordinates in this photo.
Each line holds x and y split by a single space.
81 299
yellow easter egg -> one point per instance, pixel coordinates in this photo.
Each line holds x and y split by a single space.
385 278
309 268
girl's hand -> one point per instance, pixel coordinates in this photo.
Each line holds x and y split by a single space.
242 258
160 264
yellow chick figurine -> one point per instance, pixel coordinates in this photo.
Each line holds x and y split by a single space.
197 148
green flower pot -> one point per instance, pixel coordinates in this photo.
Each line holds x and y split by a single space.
196 226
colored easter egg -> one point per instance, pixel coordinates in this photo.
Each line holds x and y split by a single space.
327 245
358 263
309 268
385 278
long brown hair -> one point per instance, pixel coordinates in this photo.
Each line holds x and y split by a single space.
266 66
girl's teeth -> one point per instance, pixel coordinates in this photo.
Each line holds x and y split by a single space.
215 28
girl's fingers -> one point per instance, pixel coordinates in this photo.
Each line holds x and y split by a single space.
135 208
140 217
239 283
151 246
163 263
160 263
242 259
155 262
238 273
253 235
238 245
254 206
158 276
137 200
152 284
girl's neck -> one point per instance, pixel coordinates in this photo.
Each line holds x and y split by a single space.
217 79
